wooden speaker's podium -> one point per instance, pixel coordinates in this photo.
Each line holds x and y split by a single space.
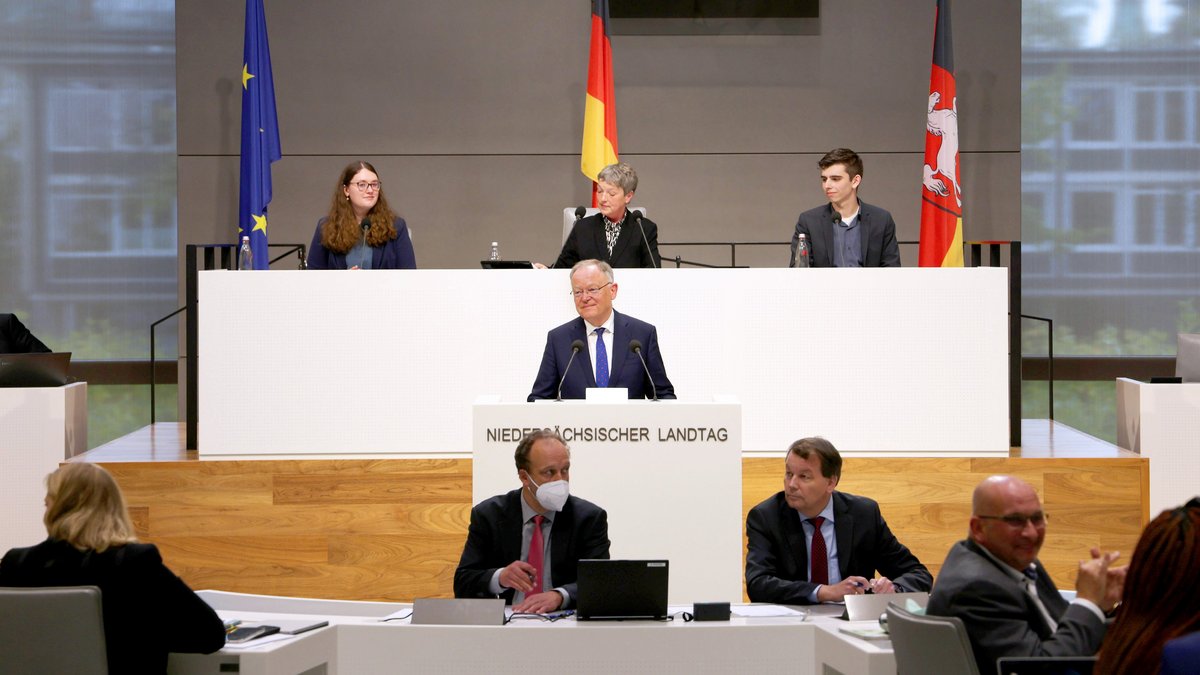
42 426
669 474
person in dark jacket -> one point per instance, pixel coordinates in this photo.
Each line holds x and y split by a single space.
148 611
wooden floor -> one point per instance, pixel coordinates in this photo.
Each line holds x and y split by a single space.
393 529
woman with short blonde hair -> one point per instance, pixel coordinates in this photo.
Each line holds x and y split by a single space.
85 508
92 543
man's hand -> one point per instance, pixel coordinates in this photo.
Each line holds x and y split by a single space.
882 585
1095 576
540 603
518 575
847 586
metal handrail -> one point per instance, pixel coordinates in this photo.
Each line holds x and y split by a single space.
227 262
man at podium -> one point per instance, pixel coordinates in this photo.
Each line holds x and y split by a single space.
525 545
602 347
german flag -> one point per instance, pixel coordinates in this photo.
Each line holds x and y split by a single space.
600 107
941 190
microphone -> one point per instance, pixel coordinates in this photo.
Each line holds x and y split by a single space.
637 218
366 225
635 346
579 212
576 347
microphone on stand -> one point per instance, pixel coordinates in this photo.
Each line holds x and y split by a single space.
576 347
637 218
635 346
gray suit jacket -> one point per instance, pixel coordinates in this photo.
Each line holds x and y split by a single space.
1001 618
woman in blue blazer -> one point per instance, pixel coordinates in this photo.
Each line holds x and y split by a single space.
361 232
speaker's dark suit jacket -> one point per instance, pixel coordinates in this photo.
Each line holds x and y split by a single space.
624 367
579 532
777 555
15 338
148 611
587 241
877 231
1000 617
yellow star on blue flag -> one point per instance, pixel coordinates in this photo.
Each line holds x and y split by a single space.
260 134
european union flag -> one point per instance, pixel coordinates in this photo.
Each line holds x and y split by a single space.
260 133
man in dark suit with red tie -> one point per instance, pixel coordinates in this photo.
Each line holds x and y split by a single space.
15 338
846 535
525 545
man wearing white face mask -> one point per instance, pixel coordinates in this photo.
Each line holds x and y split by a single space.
525 545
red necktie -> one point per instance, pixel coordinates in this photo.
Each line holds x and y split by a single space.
820 557
537 552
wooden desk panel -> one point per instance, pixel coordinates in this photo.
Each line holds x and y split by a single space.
394 529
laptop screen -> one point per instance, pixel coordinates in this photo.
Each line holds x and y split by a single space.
622 589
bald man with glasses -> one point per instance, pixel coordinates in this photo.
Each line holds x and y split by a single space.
993 581
601 347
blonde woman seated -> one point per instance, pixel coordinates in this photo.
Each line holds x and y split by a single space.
148 611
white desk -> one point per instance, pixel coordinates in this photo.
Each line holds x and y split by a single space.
805 351
42 427
1162 422
361 644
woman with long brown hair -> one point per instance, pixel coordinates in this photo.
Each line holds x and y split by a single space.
361 232
1162 594
148 611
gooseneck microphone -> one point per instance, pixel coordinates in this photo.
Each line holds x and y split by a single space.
635 346
579 212
637 218
576 347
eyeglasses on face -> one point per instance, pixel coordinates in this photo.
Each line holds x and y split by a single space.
1018 520
363 186
590 292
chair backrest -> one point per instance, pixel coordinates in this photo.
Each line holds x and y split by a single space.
52 630
929 644
569 218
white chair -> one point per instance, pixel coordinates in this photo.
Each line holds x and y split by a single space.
929 644
52 630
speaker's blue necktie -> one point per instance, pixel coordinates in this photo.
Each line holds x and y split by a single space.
601 359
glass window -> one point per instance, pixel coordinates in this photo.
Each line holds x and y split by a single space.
1094 118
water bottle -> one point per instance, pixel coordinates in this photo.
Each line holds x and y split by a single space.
495 254
801 251
245 255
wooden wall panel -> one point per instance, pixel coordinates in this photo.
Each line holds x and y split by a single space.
394 529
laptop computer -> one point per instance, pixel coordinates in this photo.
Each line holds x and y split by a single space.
868 607
458 612
1045 665
622 589
506 264
35 370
